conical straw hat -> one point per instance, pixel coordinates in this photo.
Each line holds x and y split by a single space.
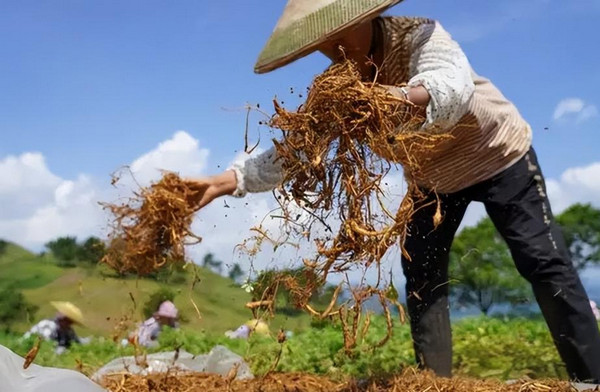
305 24
69 310
258 326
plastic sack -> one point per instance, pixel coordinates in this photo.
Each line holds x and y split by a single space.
219 361
39 378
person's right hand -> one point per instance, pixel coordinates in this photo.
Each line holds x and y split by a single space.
207 189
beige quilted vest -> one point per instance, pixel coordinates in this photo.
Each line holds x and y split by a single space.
488 139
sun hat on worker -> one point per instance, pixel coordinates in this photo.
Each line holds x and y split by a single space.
167 309
258 326
67 309
305 24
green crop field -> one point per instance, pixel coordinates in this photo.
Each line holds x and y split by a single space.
483 348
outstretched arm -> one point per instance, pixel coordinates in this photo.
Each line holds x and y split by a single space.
258 174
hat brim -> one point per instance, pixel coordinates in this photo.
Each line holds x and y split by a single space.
69 310
258 326
169 316
280 50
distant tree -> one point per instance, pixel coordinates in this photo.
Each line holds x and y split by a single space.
287 287
174 272
236 272
211 263
580 224
482 272
155 299
3 245
65 249
14 307
91 251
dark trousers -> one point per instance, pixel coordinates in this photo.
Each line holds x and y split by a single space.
517 203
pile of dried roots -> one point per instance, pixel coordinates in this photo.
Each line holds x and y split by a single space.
408 381
151 229
336 149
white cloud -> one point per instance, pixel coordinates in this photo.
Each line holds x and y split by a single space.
45 207
181 154
575 185
74 211
39 206
568 106
25 182
576 109
587 112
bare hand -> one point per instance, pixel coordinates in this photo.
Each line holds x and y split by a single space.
207 189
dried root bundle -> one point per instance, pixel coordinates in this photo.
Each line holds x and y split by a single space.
337 148
151 228
409 380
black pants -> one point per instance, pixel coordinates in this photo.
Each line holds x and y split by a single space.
516 202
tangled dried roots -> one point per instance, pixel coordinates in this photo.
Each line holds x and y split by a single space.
335 151
151 228
179 382
409 380
300 286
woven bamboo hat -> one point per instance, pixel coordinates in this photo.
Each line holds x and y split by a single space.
258 326
69 310
305 24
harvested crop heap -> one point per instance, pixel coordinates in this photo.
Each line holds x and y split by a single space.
335 151
151 228
408 381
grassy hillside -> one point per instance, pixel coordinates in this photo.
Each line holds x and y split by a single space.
24 269
106 299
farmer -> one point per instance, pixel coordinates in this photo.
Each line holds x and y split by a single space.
244 331
148 332
60 329
488 159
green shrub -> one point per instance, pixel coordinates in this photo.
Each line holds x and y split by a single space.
156 298
14 307
3 245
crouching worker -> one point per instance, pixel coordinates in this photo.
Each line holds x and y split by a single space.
148 332
60 329
248 328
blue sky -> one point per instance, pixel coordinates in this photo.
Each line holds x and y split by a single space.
89 86
93 84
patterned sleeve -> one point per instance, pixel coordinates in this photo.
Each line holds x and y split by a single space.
148 332
438 64
259 174
45 328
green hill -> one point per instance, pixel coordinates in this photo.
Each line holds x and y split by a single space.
24 269
105 299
